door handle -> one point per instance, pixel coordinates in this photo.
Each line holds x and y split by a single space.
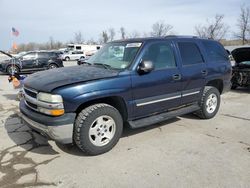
176 77
204 72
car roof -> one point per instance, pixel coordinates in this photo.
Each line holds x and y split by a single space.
146 39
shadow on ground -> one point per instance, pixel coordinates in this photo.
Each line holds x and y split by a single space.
127 132
241 90
15 162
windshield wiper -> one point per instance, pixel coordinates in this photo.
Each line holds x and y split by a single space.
106 66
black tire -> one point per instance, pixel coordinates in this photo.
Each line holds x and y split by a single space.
52 66
11 69
67 58
207 112
87 119
234 86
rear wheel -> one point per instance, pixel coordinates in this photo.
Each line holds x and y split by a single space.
11 69
67 58
98 128
209 103
52 66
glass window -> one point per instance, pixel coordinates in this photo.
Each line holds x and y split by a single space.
29 56
161 54
215 51
190 53
78 47
117 55
43 55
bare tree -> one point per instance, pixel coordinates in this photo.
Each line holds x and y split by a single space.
123 33
78 38
51 43
215 29
243 24
104 37
134 34
111 34
160 29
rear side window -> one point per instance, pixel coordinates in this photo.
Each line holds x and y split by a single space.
43 55
190 53
215 51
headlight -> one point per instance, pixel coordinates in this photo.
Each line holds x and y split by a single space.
46 97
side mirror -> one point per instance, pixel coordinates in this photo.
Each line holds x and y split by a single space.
145 67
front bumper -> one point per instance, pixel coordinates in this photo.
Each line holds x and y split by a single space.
59 129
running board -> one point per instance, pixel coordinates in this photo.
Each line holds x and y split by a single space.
163 116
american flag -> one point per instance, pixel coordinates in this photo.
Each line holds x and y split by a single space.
15 32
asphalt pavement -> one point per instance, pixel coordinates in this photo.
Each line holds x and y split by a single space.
183 152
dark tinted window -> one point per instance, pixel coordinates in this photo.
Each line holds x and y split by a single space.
29 56
161 54
78 47
215 51
190 53
43 55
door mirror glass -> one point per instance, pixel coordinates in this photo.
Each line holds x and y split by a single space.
145 67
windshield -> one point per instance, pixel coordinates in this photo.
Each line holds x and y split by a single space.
117 55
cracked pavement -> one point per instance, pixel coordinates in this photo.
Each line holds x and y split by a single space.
182 152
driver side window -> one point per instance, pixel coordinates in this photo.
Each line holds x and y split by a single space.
160 54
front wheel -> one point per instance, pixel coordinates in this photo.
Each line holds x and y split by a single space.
209 103
98 128
12 69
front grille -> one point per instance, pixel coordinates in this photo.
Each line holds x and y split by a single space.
31 105
30 92
30 97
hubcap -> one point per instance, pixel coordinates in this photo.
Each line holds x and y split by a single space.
211 103
52 66
102 130
12 70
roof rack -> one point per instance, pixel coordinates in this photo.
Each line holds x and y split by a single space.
181 36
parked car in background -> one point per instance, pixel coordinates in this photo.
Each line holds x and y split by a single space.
138 82
31 61
73 55
82 60
241 69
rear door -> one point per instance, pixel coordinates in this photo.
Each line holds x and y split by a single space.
158 90
193 70
42 59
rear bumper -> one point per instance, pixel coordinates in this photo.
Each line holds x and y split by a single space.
59 129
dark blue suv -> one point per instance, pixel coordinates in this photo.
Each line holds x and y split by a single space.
135 81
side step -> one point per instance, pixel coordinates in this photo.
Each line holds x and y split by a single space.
163 116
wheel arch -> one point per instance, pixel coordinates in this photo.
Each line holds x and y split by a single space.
115 101
7 66
217 83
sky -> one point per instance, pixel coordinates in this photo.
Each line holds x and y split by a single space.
38 20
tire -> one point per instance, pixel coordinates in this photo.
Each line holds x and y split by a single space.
12 69
52 66
67 58
98 128
209 103
234 86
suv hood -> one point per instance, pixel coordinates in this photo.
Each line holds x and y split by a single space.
241 54
48 80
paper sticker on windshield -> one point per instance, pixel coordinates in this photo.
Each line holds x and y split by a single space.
134 45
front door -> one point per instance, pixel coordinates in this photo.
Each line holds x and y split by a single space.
158 90
28 61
